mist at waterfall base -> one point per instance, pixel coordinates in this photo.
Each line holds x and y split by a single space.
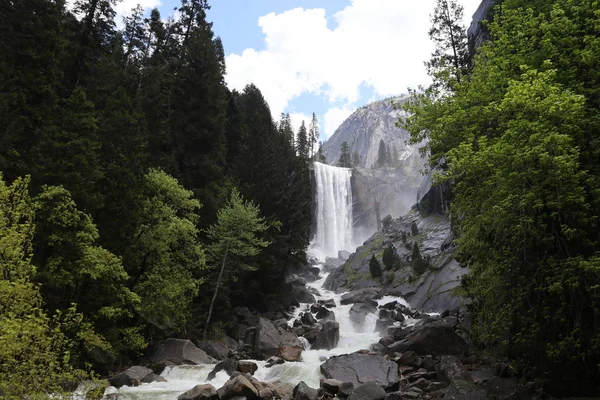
334 232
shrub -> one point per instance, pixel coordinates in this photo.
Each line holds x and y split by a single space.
413 229
386 222
375 267
389 254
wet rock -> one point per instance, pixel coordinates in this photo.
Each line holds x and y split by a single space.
390 306
331 264
200 392
295 280
290 353
180 352
308 319
269 339
303 392
394 396
501 388
451 368
359 312
360 368
345 389
237 386
483 374
274 361
343 255
325 315
420 383
368 391
428 363
302 294
398 316
435 340
385 314
216 350
130 377
367 295
331 385
228 365
382 324
386 340
247 367
329 336
408 358
398 332
329 303
152 377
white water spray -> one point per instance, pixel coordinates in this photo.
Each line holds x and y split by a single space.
333 210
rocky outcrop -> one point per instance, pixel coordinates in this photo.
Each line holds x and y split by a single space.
477 32
269 339
200 392
360 368
304 392
130 377
180 351
238 385
368 391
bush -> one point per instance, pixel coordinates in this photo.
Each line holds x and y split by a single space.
375 267
404 237
418 263
389 255
386 222
413 229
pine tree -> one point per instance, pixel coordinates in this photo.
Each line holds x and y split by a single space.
355 159
313 134
389 256
450 59
344 160
381 155
303 147
375 267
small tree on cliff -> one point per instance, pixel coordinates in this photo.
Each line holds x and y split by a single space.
345 156
234 238
389 256
375 267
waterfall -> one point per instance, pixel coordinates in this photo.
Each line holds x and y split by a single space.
333 194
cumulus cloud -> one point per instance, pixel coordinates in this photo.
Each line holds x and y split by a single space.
335 116
378 43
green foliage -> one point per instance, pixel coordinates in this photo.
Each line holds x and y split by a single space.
382 155
344 160
303 145
375 267
389 256
165 260
419 264
519 142
36 358
413 229
386 222
404 239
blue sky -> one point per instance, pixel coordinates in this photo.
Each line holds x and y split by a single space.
328 57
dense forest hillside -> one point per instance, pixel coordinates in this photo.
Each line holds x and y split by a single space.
515 132
118 147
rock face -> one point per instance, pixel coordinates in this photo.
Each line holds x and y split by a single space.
435 339
237 386
200 392
269 339
368 391
477 33
180 351
361 368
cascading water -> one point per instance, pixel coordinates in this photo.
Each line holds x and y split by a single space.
333 193
333 233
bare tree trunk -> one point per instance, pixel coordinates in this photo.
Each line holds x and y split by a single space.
212 302
377 215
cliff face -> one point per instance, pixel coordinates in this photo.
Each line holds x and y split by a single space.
365 128
477 33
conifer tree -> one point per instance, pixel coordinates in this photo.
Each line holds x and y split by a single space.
381 154
303 145
344 160
355 159
313 134
375 267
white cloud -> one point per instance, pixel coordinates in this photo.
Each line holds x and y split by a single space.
335 116
124 7
297 119
378 43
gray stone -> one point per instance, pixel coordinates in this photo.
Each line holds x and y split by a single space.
325 315
407 358
394 396
303 392
451 368
465 390
434 340
359 312
302 294
180 352
331 385
483 374
331 264
501 388
290 353
237 386
247 367
200 392
130 377
308 319
228 365
367 295
329 336
343 255
368 391
381 325
152 377
360 368
346 389
269 339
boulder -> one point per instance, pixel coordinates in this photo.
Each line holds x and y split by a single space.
237 386
247 367
152 377
483 374
269 339
408 358
303 392
450 368
228 365
274 361
130 377
502 388
180 352
329 303
302 294
289 353
367 295
343 255
395 396
390 306
308 319
200 392
436 340
331 264
331 385
360 368
345 389
382 324
325 315
329 336
359 312
398 316
218 350
368 391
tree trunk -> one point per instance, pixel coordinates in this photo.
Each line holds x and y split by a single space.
212 302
